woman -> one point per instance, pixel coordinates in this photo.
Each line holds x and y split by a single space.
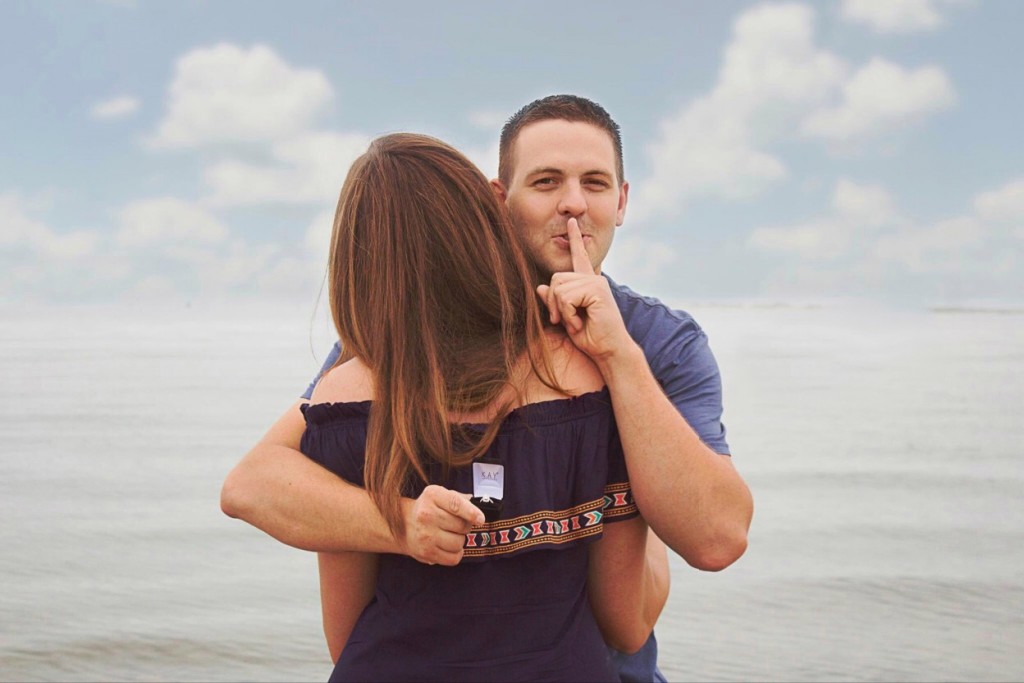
450 378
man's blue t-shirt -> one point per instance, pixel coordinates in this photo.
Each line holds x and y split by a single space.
681 360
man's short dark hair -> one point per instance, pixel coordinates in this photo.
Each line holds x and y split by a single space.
566 108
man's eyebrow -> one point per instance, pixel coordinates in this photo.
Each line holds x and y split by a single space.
546 169
558 171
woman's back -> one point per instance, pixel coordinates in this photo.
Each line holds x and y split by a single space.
516 607
454 379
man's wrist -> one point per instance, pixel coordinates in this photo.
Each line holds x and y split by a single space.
399 540
624 362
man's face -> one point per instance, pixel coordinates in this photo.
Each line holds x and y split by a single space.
563 170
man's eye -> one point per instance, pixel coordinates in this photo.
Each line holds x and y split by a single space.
544 181
597 183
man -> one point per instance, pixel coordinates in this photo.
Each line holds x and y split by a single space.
561 175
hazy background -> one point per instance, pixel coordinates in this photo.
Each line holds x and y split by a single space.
835 190
187 151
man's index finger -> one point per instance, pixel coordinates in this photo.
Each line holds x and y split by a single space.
580 260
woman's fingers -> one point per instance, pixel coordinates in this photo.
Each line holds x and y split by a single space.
436 530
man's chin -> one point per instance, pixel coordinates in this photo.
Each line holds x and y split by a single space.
552 266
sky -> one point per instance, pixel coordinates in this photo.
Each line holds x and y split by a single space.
178 152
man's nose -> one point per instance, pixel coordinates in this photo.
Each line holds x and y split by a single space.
572 202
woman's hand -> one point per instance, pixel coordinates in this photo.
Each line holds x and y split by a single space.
436 525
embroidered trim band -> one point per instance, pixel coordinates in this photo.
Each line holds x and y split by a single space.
546 526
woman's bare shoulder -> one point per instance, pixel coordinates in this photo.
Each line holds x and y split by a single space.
574 370
350 381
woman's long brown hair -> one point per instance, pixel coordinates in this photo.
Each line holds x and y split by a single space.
431 288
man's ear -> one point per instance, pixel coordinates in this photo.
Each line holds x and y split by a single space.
620 215
499 190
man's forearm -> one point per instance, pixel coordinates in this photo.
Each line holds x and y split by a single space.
690 496
280 491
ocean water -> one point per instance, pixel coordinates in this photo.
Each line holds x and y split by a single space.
884 451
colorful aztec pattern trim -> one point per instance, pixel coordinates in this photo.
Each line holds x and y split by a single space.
550 527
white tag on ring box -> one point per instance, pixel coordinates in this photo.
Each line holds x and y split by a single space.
488 481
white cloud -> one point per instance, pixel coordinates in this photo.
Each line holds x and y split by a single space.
221 97
880 95
895 16
15 223
310 269
858 211
166 222
239 265
821 239
318 237
231 268
864 243
772 57
702 152
290 276
20 230
311 168
935 248
942 261
867 205
638 262
227 93
69 247
38 261
115 108
715 145
1002 204
264 269
773 82
152 287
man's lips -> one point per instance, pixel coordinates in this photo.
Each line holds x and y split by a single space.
563 240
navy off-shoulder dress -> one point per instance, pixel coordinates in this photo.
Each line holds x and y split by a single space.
516 607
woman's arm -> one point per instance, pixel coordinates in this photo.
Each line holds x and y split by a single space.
628 583
347 582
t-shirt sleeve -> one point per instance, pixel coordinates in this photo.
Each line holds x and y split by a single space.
688 372
618 495
329 362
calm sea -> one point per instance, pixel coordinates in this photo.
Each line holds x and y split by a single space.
884 450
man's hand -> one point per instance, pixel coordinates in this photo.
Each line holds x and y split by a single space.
669 466
582 301
436 525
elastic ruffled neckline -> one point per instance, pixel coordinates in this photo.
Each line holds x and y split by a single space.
529 415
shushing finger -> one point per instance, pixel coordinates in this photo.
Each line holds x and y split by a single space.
578 251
